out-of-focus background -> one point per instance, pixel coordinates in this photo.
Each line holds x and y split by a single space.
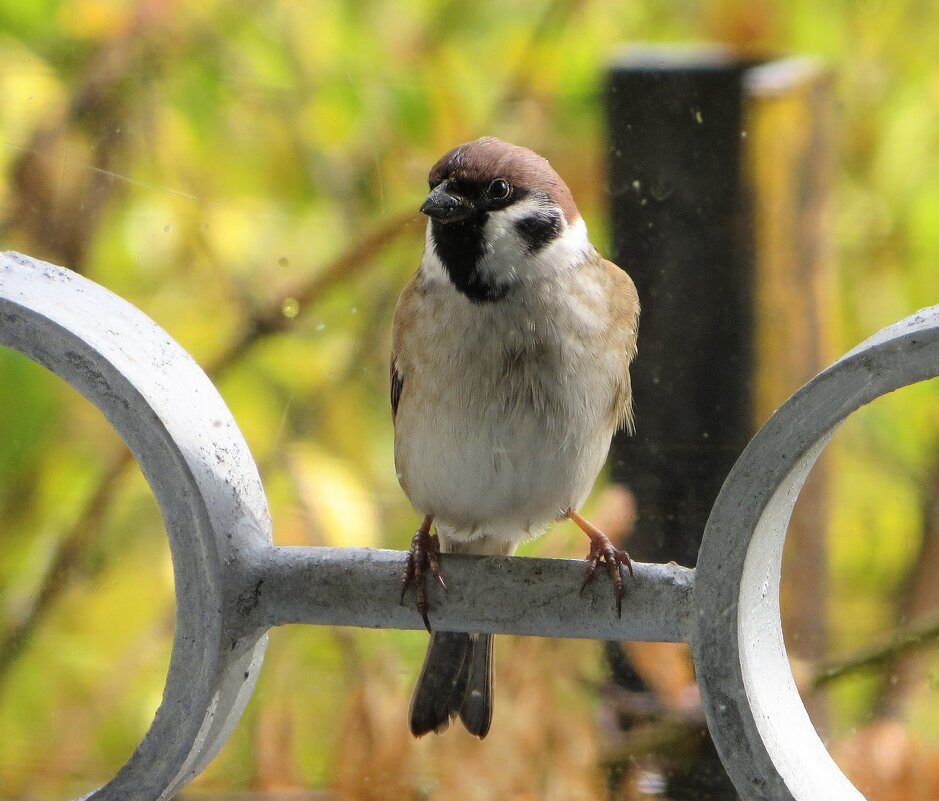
248 175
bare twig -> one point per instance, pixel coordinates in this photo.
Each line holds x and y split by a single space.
912 639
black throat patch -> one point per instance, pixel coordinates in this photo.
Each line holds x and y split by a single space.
459 246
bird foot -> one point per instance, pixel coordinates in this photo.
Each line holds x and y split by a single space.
602 550
423 558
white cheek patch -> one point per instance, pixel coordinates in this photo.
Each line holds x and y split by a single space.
509 257
568 250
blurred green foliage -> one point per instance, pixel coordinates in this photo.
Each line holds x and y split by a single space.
247 174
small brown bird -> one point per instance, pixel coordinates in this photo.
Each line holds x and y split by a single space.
510 361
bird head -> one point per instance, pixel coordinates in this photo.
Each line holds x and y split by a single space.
499 216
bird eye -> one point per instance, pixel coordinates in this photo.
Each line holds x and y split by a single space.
499 189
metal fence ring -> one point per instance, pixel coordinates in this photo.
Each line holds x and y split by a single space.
756 716
205 482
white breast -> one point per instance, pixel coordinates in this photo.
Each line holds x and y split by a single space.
505 418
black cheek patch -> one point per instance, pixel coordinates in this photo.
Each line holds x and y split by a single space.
539 230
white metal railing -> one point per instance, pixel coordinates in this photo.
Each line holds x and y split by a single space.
233 584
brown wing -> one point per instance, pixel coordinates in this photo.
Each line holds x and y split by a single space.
624 326
407 313
397 384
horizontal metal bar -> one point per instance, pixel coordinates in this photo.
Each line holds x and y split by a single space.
500 595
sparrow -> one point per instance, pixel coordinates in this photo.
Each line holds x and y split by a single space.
511 348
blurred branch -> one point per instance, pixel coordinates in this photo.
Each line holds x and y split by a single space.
270 321
551 22
903 642
662 738
639 724
61 215
896 657
67 555
348 264
920 598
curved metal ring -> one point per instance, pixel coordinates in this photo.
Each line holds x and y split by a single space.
203 477
758 721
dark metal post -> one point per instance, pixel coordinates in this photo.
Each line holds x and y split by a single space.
720 227
678 223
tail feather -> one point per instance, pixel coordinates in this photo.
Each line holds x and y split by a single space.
476 711
456 679
441 684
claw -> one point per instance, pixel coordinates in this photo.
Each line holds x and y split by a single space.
433 559
422 557
602 550
590 570
408 576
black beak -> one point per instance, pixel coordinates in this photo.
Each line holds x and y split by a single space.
446 207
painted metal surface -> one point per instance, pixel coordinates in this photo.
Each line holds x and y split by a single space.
204 480
754 711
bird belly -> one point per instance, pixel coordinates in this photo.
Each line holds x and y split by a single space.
491 466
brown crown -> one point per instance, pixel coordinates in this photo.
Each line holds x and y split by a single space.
486 159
